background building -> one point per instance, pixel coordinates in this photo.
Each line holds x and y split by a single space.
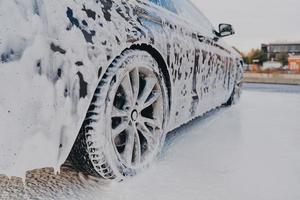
294 63
275 51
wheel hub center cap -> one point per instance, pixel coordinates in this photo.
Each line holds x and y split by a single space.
134 115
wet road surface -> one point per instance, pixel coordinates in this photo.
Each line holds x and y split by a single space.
250 151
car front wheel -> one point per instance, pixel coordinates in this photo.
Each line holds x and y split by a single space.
124 128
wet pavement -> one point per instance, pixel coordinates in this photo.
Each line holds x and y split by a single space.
247 152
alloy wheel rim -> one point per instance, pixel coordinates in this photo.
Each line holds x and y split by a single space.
137 117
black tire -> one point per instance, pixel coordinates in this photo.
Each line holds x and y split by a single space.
93 151
236 95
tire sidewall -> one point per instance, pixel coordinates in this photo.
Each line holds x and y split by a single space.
128 61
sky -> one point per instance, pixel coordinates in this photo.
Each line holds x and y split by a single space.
255 21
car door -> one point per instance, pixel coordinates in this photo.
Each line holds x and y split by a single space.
213 61
171 36
186 39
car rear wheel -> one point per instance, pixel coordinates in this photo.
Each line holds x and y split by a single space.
124 128
236 94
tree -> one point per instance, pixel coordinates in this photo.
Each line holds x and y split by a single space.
283 58
255 54
246 58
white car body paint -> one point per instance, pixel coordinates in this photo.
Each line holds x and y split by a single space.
53 54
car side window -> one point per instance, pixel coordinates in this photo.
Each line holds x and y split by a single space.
189 12
168 4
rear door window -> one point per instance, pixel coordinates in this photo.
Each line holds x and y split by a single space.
190 13
167 4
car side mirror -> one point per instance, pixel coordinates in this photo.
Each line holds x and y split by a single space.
225 30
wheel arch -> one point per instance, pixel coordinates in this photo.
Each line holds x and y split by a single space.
80 143
161 63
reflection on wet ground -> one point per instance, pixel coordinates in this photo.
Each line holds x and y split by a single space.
225 154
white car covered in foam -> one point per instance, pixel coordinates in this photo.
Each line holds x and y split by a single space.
102 82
